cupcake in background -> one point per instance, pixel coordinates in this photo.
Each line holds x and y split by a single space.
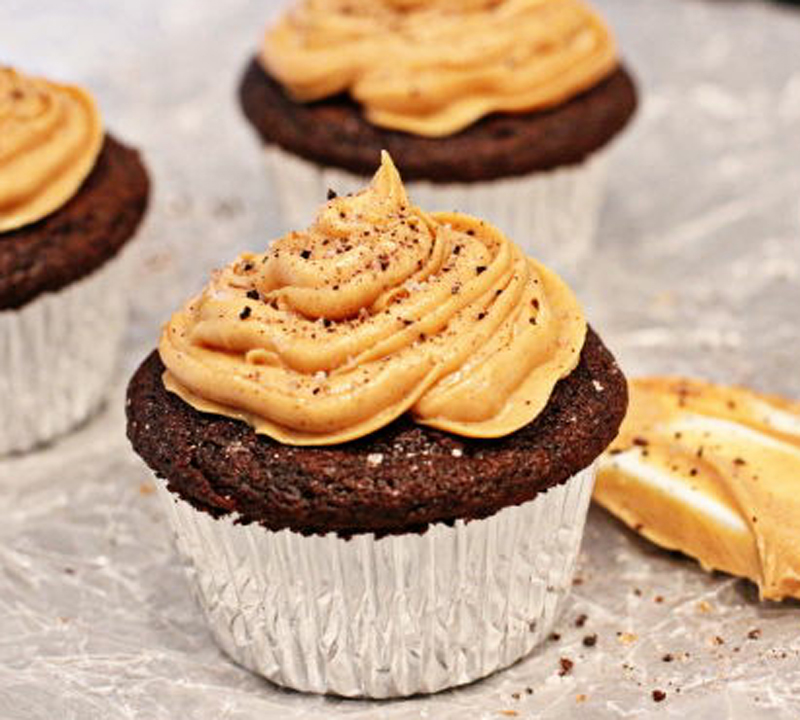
502 109
71 197
375 442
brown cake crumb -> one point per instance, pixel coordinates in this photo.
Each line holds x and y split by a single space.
266 483
659 695
590 640
79 237
580 621
565 666
754 634
334 132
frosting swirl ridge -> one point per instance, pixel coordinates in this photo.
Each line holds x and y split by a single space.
377 309
50 137
432 68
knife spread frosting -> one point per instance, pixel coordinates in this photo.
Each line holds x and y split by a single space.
50 137
713 472
378 309
432 68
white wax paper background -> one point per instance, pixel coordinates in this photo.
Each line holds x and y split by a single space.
697 271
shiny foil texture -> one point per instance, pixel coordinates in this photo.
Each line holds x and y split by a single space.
392 617
58 354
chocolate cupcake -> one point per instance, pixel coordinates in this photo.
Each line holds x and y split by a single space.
501 109
376 443
71 196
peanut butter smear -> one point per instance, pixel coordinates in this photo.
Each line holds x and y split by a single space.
50 137
433 68
376 310
713 472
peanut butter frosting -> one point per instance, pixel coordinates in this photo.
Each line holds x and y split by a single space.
376 310
434 67
713 472
50 137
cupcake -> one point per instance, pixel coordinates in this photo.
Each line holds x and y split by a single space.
71 196
375 443
502 109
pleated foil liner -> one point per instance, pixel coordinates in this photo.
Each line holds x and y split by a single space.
397 616
57 356
551 215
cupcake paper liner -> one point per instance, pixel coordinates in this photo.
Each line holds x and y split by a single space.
551 215
57 355
389 617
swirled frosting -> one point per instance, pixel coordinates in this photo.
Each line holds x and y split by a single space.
50 136
433 68
377 309
714 472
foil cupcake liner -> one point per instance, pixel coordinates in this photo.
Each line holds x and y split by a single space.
551 215
57 356
388 617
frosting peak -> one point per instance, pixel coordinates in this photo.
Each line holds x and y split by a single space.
50 136
433 67
377 309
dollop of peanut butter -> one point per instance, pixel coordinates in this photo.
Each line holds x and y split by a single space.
50 137
378 309
433 68
714 472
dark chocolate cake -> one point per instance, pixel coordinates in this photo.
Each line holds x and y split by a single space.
398 479
79 237
334 132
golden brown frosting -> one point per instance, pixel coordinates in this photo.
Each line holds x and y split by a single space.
713 472
50 136
379 308
434 67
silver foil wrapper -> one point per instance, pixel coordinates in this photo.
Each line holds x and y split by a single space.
552 215
57 356
390 617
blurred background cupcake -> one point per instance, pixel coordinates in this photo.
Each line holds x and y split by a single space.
71 197
497 108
